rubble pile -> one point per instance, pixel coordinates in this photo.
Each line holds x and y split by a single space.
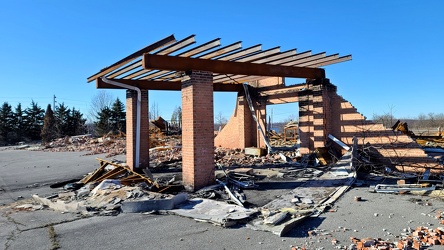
111 189
237 157
287 138
109 144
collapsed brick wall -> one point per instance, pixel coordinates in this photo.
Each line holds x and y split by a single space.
385 145
241 130
322 112
235 132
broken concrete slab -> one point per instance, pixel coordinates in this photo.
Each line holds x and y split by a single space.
140 206
59 205
212 211
318 193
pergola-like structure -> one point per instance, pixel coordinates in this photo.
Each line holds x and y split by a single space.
199 69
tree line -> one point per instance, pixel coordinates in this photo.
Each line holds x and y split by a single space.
34 123
26 124
430 121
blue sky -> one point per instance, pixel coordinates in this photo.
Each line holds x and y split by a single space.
50 47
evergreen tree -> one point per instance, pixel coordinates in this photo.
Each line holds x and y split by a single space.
118 116
48 132
33 121
19 125
6 122
61 115
76 123
103 123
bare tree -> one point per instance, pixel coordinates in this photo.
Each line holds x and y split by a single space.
103 99
154 111
387 119
221 120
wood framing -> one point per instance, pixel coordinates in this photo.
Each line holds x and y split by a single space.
228 67
164 85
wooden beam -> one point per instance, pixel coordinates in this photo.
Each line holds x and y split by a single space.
164 85
286 90
147 49
228 67
141 84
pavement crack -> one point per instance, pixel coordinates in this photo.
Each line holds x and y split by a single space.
55 223
53 238
13 235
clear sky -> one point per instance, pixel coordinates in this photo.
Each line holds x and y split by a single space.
50 47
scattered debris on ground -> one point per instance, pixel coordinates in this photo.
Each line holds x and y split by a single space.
317 180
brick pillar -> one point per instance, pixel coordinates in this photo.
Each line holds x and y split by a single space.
261 113
197 130
319 115
306 121
131 123
315 114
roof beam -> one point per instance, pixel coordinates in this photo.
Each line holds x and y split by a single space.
163 85
286 90
338 60
227 67
209 45
147 49
283 57
166 51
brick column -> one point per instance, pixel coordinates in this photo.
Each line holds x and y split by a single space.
261 113
319 115
315 114
131 123
306 121
197 130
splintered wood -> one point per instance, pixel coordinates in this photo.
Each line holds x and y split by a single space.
125 174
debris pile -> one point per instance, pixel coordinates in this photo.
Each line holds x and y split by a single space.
287 138
111 145
110 189
237 157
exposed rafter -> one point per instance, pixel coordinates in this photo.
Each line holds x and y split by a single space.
230 64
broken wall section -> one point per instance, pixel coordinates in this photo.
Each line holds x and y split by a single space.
241 130
380 143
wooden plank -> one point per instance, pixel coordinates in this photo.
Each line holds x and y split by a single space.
164 85
131 171
228 67
95 174
149 48
111 174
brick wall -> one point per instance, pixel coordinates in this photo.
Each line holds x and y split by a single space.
385 145
241 130
198 130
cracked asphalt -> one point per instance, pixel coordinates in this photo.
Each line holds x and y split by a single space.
23 173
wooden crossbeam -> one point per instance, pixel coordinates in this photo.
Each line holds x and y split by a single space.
161 62
164 85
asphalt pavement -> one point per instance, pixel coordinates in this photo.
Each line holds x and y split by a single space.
23 173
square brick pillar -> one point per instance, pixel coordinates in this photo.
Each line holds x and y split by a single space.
131 123
197 131
320 103
306 135
261 114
